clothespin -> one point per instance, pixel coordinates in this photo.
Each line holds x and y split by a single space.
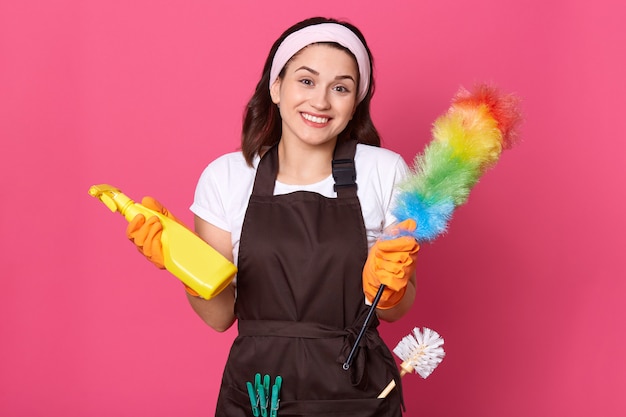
266 386
254 399
262 390
259 394
275 394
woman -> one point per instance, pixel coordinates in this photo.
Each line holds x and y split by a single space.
297 210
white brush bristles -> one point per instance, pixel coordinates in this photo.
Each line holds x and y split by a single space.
422 350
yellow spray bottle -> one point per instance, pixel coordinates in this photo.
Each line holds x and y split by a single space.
185 254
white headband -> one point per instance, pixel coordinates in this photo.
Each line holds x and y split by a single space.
324 32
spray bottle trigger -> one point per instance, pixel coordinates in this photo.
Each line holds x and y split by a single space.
102 192
108 201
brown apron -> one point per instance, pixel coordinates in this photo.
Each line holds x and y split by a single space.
300 303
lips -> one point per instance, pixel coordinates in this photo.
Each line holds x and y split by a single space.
315 119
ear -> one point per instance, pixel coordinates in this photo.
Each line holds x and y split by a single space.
275 91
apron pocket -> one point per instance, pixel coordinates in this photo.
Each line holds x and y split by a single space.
366 407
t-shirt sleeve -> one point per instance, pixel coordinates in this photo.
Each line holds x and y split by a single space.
209 199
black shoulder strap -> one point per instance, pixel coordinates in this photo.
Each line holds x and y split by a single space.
344 171
266 173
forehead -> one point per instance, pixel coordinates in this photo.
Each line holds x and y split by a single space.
326 56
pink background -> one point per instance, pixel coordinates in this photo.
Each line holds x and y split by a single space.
526 288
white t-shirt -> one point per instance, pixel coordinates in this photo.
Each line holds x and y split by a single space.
224 188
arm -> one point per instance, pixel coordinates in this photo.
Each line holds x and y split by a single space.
219 312
398 311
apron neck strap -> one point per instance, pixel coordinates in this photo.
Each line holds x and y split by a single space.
343 169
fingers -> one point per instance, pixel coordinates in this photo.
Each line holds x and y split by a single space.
153 236
408 225
394 282
396 267
390 296
146 231
152 204
153 248
134 226
391 262
146 235
400 244
394 261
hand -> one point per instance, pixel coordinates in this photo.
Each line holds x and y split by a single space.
146 233
391 262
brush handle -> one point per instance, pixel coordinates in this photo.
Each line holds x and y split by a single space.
370 313
388 389
391 386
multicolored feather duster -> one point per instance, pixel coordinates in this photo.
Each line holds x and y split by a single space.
467 140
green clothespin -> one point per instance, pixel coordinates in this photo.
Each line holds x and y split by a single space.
275 394
254 400
262 390
266 385
260 393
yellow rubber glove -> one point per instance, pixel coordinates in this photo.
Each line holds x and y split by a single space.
391 262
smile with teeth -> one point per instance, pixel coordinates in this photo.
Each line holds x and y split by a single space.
315 119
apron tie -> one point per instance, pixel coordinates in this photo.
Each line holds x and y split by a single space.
371 341
358 370
282 328
306 330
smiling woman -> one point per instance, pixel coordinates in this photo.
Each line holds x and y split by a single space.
298 210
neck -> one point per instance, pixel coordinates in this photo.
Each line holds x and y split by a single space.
301 164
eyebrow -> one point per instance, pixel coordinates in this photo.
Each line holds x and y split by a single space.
339 77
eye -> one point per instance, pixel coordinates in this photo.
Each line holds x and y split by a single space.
341 89
306 81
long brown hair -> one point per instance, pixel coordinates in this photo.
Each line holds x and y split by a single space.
262 124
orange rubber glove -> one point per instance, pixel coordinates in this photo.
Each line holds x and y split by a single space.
146 234
391 262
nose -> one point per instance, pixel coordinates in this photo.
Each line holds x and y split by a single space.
319 99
